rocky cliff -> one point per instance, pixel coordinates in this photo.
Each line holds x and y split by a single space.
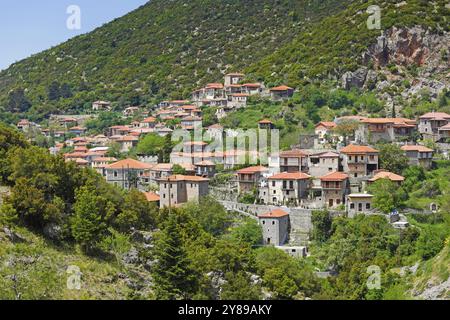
413 59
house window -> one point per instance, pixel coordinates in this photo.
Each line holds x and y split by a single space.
350 158
273 223
356 175
368 206
115 174
352 206
263 222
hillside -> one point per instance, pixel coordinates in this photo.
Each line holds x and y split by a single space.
432 280
163 49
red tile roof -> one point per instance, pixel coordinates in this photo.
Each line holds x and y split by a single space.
335 176
265 121
326 124
387 175
130 164
295 153
290 176
179 177
352 149
276 213
436 116
281 88
416 148
149 120
251 170
151 197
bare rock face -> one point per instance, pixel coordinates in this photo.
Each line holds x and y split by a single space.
354 79
405 46
414 54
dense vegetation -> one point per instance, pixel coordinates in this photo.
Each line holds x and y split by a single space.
146 56
163 49
58 216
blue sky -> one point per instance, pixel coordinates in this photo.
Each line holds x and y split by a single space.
30 26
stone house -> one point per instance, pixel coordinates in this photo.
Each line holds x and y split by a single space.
321 164
238 100
275 227
118 131
430 123
99 164
78 130
358 203
382 174
359 161
149 122
127 143
419 155
252 88
323 130
285 188
128 173
153 198
179 189
163 170
444 134
206 169
335 187
191 123
293 161
233 78
266 124
250 178
372 130
281 93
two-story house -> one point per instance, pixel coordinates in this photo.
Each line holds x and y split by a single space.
128 173
275 227
293 161
250 178
285 188
323 130
281 93
179 189
323 163
430 123
359 161
419 155
335 186
372 130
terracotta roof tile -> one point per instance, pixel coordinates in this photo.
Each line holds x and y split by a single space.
335 176
416 148
290 176
351 149
387 175
251 170
130 164
276 213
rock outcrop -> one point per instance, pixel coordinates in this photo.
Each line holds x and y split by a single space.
412 55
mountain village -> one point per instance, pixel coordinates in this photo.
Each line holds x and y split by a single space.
326 171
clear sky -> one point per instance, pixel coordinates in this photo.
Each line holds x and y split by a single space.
30 26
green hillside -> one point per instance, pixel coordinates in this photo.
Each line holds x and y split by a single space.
163 49
334 45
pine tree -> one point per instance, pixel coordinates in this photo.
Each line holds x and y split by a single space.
173 276
88 223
